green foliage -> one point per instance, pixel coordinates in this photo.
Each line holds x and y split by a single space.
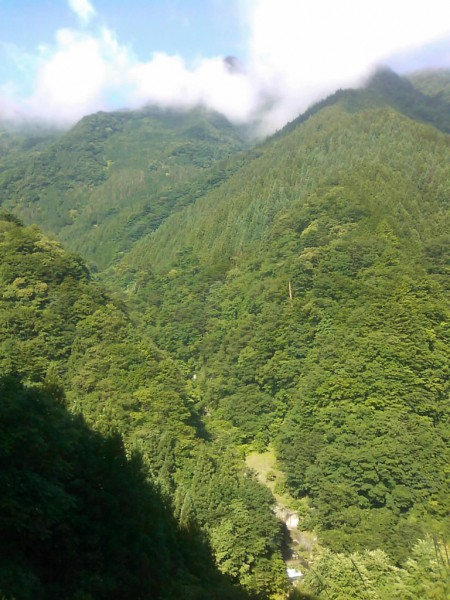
371 481
236 511
295 294
21 143
59 329
433 82
426 573
80 520
310 296
360 576
370 575
116 176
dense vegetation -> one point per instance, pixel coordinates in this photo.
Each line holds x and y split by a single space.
20 143
434 83
294 294
310 293
80 520
61 331
116 176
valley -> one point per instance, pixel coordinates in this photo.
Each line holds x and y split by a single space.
252 336
299 545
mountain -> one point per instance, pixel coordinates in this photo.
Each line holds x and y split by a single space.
66 340
20 143
386 88
433 83
310 294
116 176
80 518
290 296
321 139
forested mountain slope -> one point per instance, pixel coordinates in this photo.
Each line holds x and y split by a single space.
434 82
80 519
310 294
116 176
387 89
20 143
295 294
66 337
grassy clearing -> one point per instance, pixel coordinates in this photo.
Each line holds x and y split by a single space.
265 466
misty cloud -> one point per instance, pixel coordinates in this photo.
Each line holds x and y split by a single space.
305 50
83 9
295 53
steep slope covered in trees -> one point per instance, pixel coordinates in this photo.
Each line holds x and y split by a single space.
116 176
62 332
310 294
20 143
79 519
294 294
433 82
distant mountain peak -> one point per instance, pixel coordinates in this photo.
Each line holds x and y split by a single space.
233 65
384 79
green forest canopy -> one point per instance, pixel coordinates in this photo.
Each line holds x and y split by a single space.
293 294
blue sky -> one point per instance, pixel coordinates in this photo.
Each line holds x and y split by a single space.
61 59
188 28
175 26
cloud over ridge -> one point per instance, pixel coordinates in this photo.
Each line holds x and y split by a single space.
83 9
295 52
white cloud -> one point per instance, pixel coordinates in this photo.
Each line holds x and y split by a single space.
296 52
83 9
304 49
166 80
85 72
75 77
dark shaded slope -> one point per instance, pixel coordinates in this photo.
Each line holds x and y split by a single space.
80 519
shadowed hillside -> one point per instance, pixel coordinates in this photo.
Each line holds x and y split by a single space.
80 519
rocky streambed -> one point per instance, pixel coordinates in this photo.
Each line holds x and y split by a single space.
299 544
